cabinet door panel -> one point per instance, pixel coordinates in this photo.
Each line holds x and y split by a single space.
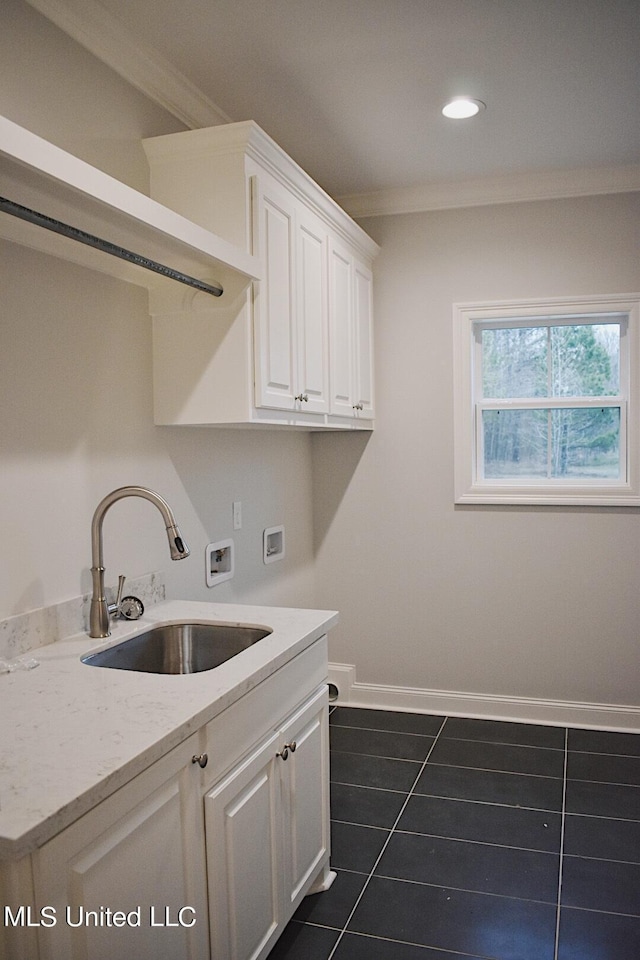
306 801
245 883
135 861
312 320
340 317
363 329
274 298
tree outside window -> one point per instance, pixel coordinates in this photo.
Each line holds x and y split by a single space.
570 360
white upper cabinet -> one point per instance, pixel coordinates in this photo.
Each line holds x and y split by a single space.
341 330
274 300
311 311
363 334
297 349
351 334
290 307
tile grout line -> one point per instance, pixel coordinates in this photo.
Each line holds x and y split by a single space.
384 846
458 766
607 913
490 742
484 803
489 843
505 743
401 733
562 826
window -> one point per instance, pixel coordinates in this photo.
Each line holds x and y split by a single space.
546 404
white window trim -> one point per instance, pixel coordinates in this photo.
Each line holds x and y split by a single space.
469 488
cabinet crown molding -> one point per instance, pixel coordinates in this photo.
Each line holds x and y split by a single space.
248 139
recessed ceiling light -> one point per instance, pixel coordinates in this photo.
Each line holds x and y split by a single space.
461 108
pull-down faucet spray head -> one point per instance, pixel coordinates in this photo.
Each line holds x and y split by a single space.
99 614
177 547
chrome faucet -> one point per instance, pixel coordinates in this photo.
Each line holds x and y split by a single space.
101 611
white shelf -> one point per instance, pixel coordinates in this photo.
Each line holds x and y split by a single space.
36 174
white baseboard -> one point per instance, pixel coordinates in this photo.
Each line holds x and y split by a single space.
451 703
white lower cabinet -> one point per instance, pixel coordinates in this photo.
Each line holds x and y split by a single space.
243 854
191 860
128 878
268 834
305 807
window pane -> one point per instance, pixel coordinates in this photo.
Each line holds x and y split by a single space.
514 362
586 444
573 444
515 444
585 360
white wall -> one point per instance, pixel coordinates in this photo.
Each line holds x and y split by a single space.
76 385
540 603
514 602
55 88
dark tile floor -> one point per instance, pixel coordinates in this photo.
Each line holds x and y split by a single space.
459 839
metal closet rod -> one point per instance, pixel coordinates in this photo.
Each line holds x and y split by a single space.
57 226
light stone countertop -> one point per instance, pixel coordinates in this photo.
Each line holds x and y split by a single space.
72 734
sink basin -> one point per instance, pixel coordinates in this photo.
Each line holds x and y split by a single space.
179 648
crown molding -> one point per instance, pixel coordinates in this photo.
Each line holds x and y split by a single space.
139 64
87 22
483 191
246 139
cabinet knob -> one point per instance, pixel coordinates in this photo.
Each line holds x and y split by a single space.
284 753
201 759
302 397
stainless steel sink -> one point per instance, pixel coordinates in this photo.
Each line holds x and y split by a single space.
179 648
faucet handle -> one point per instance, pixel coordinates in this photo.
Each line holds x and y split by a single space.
121 580
129 608
113 609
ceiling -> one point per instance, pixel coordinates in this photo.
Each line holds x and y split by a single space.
353 89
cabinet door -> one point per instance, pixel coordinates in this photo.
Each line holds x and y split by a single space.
140 853
351 333
312 313
306 797
274 296
363 335
341 330
242 816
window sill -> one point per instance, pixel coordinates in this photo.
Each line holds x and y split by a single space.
571 496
